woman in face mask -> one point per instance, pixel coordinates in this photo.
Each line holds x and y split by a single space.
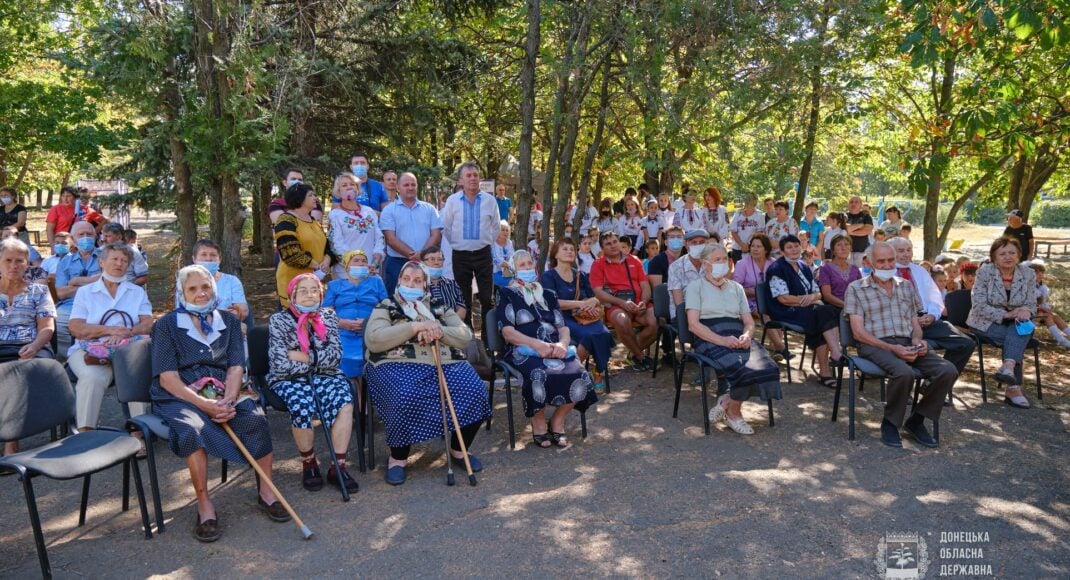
352 299
537 343
442 289
304 354
796 299
402 377
606 221
719 316
353 226
229 290
193 347
107 312
12 213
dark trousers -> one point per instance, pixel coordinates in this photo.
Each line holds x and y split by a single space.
941 374
958 349
476 264
468 432
391 269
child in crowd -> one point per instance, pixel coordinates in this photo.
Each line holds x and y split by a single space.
130 237
940 279
967 276
927 266
1045 315
835 224
880 236
904 232
501 251
626 245
585 259
651 224
652 248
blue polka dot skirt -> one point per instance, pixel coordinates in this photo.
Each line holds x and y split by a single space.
333 393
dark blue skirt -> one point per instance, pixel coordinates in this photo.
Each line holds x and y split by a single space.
594 337
747 373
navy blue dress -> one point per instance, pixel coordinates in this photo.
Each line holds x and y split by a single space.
176 349
594 337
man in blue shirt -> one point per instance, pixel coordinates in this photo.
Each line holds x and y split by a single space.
372 192
505 205
77 269
409 225
471 224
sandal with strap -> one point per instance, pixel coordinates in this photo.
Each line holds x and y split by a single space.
206 531
559 439
829 382
541 440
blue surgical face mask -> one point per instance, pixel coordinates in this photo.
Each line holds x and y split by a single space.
61 250
527 276
294 181
359 272
360 171
1025 327
411 294
675 244
212 267
306 309
867 271
436 273
86 244
200 308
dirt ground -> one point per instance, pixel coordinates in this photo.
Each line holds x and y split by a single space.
645 495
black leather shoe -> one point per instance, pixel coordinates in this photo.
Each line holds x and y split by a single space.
890 434
921 435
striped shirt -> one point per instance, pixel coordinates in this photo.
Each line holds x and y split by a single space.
448 292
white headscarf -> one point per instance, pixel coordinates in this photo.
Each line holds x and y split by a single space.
532 292
419 309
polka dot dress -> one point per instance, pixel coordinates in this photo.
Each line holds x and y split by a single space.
406 395
333 394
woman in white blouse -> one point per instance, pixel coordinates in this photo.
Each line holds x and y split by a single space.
353 226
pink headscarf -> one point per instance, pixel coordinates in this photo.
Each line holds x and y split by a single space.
306 319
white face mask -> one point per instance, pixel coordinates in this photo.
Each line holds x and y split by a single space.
884 275
719 270
696 250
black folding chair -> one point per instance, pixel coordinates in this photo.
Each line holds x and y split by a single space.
762 297
258 369
685 336
958 304
662 307
496 346
132 368
865 367
36 395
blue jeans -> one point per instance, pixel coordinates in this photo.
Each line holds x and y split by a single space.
1006 336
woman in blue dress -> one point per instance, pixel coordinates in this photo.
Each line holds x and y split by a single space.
537 343
191 345
561 280
353 299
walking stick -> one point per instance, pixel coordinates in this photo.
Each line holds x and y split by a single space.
264 478
453 414
323 421
445 437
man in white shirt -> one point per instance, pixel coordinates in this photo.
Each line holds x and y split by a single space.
939 334
683 271
471 224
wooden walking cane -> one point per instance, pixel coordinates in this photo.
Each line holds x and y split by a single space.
264 478
453 414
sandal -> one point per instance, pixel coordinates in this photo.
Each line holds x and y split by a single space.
829 382
541 440
206 531
559 439
312 479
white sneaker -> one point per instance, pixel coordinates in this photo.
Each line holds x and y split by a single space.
739 426
717 413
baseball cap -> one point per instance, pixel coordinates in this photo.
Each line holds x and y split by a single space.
691 234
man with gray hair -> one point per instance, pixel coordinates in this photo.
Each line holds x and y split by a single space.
882 309
470 224
939 334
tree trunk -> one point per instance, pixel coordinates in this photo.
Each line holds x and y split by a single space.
37 204
526 193
22 171
961 201
185 207
267 232
938 161
592 150
816 82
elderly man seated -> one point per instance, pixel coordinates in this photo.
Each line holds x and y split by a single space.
686 270
883 312
79 268
619 282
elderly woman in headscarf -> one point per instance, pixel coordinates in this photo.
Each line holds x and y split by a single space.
304 352
720 318
402 377
194 347
538 345
353 298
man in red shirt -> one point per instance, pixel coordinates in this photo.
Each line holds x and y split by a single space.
61 217
619 282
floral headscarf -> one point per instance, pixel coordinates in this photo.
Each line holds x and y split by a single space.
306 320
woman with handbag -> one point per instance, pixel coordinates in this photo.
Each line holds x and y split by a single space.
583 312
305 351
198 359
402 376
537 343
106 315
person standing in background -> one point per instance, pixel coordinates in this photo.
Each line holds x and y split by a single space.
1019 230
408 225
471 224
859 227
372 193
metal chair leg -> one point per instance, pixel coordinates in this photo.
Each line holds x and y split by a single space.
981 368
371 436
358 431
35 523
509 409
678 380
772 422
851 404
705 400
142 506
223 474
490 398
657 347
85 500
836 396
126 487
787 348
583 424
1036 367
154 485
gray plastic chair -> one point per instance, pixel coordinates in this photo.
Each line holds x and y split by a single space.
132 369
762 296
662 306
35 395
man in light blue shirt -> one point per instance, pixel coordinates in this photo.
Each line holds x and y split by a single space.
409 225
77 269
372 192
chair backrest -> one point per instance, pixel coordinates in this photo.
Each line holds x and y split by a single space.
958 304
132 365
258 350
847 336
681 326
495 342
661 301
761 296
35 395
